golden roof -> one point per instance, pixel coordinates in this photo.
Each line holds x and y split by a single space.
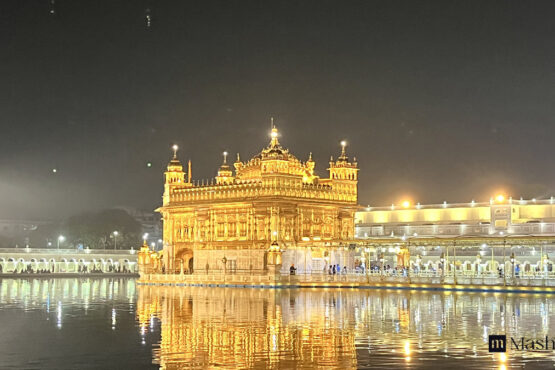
274 159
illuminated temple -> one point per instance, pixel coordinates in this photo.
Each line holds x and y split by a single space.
269 212
259 219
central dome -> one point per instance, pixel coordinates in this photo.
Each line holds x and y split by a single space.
274 159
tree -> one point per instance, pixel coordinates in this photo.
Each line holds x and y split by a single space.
95 229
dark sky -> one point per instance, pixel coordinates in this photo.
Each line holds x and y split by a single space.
446 100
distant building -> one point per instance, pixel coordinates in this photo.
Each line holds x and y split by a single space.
497 217
471 236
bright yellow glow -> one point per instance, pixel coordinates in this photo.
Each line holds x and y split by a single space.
343 143
502 357
274 134
407 348
406 204
500 198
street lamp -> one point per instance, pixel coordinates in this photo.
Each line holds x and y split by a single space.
115 240
61 239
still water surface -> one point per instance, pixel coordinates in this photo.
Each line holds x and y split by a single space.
112 323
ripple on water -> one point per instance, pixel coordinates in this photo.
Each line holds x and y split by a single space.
107 323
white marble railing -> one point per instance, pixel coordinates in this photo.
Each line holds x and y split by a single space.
537 280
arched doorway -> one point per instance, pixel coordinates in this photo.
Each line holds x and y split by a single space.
182 258
191 265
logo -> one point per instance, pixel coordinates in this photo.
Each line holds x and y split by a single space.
497 343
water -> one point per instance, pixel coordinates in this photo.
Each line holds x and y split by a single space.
112 323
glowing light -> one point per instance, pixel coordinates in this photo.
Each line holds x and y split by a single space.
274 134
407 348
406 204
54 170
149 164
343 143
61 238
116 233
500 198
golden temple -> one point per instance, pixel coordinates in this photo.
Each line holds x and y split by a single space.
268 213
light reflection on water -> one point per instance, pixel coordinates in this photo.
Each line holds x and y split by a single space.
340 328
108 323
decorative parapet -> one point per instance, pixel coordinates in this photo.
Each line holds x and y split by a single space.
277 188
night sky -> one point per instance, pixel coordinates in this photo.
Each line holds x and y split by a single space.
446 100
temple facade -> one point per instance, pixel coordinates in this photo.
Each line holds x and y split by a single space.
271 210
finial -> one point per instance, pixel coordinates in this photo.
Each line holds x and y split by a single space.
343 145
225 157
238 158
174 148
310 156
272 122
274 135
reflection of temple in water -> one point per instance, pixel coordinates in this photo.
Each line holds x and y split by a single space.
293 328
245 328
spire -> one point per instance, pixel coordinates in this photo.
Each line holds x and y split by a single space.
274 135
174 164
189 173
343 156
225 175
224 167
238 158
310 157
